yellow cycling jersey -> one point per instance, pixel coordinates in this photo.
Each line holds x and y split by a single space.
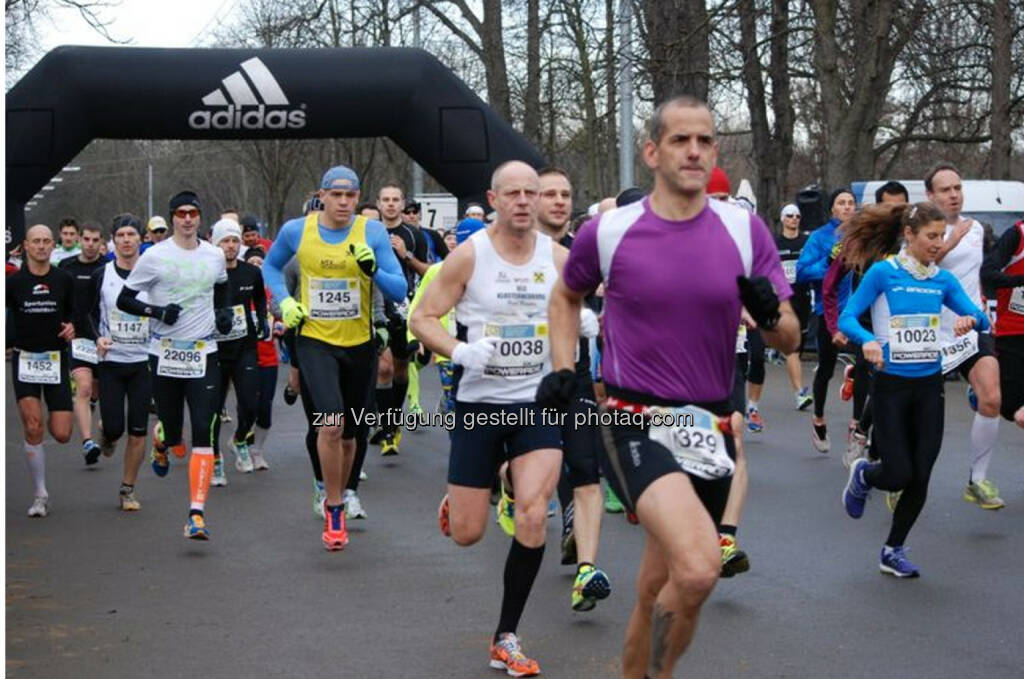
333 287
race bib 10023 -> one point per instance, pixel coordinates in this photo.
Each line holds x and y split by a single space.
333 299
694 439
521 350
914 338
182 358
39 368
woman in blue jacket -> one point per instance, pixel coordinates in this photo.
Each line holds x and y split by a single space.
906 293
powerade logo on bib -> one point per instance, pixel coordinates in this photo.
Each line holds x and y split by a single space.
241 109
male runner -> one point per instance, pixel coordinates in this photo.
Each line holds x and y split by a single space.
236 349
973 355
40 307
122 345
340 256
83 347
68 247
582 527
666 349
499 282
410 248
1003 269
186 285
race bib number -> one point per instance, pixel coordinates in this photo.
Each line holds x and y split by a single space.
41 368
333 299
1016 305
694 439
741 340
914 338
789 268
959 350
128 328
239 329
84 350
182 358
521 350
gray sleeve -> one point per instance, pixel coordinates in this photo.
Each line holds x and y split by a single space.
378 306
291 276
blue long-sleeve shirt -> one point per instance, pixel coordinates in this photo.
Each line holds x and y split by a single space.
906 311
389 277
814 259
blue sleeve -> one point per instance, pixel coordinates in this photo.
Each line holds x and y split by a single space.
956 299
389 277
284 248
871 286
813 262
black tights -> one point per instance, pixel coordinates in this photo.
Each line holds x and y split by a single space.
827 354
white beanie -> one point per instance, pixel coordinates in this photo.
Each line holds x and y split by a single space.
225 228
790 208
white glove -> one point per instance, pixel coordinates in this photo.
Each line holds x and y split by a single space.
474 355
589 327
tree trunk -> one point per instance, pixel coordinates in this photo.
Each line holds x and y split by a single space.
1002 27
493 44
677 47
531 98
610 120
578 34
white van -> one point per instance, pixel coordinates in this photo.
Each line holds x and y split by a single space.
999 203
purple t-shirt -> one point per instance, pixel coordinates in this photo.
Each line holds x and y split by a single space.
672 305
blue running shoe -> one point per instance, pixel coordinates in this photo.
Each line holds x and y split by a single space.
856 492
195 529
972 398
552 507
894 561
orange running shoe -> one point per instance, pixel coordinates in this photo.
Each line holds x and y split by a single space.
335 536
507 654
179 450
442 517
846 391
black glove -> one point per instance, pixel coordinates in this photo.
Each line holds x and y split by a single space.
168 314
556 389
413 350
760 300
224 319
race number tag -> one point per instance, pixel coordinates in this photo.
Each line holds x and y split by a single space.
741 340
914 338
959 350
333 299
520 352
238 327
128 328
182 358
84 350
1016 304
41 368
692 436
789 268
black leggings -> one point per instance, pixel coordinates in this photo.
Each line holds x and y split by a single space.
827 354
200 393
120 382
309 409
908 421
243 372
755 357
265 402
861 385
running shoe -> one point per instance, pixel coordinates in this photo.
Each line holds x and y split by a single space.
398 438
363 476
243 460
40 506
107 446
972 398
846 389
569 556
734 559
224 417
91 451
353 507
443 519
819 437
505 513
804 399
218 479
591 585
335 537
612 505
985 494
195 529
552 507
856 444
755 423
259 463
507 654
388 446
179 451
378 436
894 561
319 495
158 459
415 409
129 502
892 498
856 492
290 395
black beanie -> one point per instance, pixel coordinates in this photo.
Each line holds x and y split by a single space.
630 195
124 220
835 194
184 198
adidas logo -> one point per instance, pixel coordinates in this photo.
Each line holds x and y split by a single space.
243 108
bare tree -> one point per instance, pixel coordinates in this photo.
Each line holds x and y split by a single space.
676 36
1003 23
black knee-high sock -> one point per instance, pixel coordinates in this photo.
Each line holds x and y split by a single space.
314 455
521 568
382 395
399 387
565 497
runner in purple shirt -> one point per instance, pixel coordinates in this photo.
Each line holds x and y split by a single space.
676 269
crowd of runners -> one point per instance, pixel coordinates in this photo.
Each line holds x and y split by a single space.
631 349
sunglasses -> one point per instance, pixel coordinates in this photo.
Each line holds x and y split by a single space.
183 213
791 216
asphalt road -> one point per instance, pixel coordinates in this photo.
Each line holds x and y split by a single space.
92 592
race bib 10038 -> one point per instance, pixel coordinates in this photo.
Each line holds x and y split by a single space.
40 368
914 338
182 358
521 350
694 439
